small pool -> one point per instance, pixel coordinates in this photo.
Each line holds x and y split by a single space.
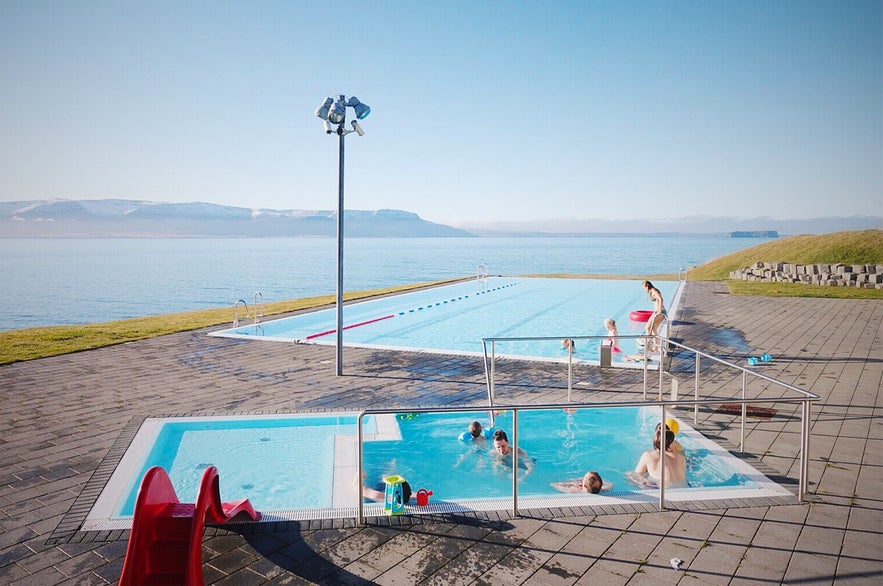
560 445
301 466
454 318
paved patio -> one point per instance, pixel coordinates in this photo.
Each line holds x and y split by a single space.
62 417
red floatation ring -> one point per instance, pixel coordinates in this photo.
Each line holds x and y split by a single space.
640 315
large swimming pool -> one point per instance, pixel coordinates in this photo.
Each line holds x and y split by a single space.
298 466
454 318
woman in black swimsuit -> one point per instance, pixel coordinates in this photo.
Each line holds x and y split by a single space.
659 314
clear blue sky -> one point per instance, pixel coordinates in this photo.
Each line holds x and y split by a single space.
481 111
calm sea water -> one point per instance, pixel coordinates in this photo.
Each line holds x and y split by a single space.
73 281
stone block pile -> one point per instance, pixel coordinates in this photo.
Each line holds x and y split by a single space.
837 275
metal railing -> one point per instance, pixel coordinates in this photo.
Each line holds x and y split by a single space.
255 312
805 399
665 346
236 305
490 358
257 315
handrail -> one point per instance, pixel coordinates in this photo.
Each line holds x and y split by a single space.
662 341
490 361
258 294
236 311
806 399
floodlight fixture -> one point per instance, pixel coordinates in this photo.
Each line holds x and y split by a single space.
322 111
337 114
333 113
361 110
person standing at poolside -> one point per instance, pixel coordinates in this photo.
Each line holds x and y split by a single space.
659 314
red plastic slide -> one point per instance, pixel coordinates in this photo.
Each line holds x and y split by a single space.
165 545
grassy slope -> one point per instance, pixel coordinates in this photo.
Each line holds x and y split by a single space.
855 248
864 247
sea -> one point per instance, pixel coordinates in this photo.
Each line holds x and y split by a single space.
76 281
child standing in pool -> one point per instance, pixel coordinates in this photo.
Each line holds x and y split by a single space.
612 334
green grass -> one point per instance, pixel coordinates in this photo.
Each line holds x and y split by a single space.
31 343
852 248
799 290
865 247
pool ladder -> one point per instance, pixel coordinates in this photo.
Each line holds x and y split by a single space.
257 311
481 275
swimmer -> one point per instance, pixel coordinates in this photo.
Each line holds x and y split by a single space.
568 344
590 483
502 448
674 427
612 334
476 434
646 472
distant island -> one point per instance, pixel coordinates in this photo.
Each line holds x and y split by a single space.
124 218
754 234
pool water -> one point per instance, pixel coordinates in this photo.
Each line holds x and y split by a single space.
454 318
308 462
562 446
273 461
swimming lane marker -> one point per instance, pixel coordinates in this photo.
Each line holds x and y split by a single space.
361 323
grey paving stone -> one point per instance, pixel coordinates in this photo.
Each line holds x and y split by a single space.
61 417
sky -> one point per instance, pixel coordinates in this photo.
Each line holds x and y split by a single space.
482 111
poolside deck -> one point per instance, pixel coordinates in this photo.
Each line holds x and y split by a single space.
62 417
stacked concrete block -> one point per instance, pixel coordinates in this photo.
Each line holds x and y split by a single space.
834 275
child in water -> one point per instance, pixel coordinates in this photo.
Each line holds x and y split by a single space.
612 335
476 433
591 483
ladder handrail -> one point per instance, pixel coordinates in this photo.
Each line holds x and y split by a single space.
257 315
236 311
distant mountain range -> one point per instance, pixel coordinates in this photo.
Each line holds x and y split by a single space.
91 218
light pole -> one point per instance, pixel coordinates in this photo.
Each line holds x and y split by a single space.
334 113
